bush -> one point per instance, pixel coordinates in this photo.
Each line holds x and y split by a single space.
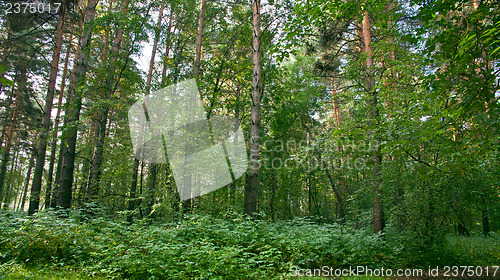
201 246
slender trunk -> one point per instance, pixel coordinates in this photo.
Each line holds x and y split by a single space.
53 146
486 222
152 170
199 39
133 187
373 116
97 158
10 131
27 180
153 52
7 114
336 108
6 45
46 121
12 173
232 187
338 196
73 115
167 50
252 184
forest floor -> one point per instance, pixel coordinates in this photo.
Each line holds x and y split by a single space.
205 247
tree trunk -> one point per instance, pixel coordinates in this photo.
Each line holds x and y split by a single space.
199 39
53 146
336 108
47 111
27 179
7 114
97 156
167 49
12 173
133 187
486 222
373 116
232 187
135 171
252 184
10 131
152 170
73 115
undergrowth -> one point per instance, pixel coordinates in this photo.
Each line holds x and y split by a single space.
204 247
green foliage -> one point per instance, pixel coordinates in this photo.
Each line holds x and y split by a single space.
201 247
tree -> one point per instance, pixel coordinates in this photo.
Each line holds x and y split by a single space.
199 39
53 146
252 186
46 121
73 110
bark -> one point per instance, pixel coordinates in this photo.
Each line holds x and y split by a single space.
7 114
373 116
252 184
167 50
486 222
338 196
232 187
153 52
336 108
28 175
199 39
152 170
10 131
53 146
13 168
135 170
73 115
46 121
133 187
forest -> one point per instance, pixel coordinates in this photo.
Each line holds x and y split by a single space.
366 139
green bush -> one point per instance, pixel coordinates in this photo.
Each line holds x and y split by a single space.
201 246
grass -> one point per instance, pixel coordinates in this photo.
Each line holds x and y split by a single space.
13 271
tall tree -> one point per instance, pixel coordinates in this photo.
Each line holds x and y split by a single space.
373 120
53 146
10 131
102 116
46 120
73 110
199 39
252 184
153 168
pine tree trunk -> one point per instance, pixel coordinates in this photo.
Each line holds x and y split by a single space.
252 184
10 131
12 173
27 179
53 146
73 115
7 114
46 121
373 116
